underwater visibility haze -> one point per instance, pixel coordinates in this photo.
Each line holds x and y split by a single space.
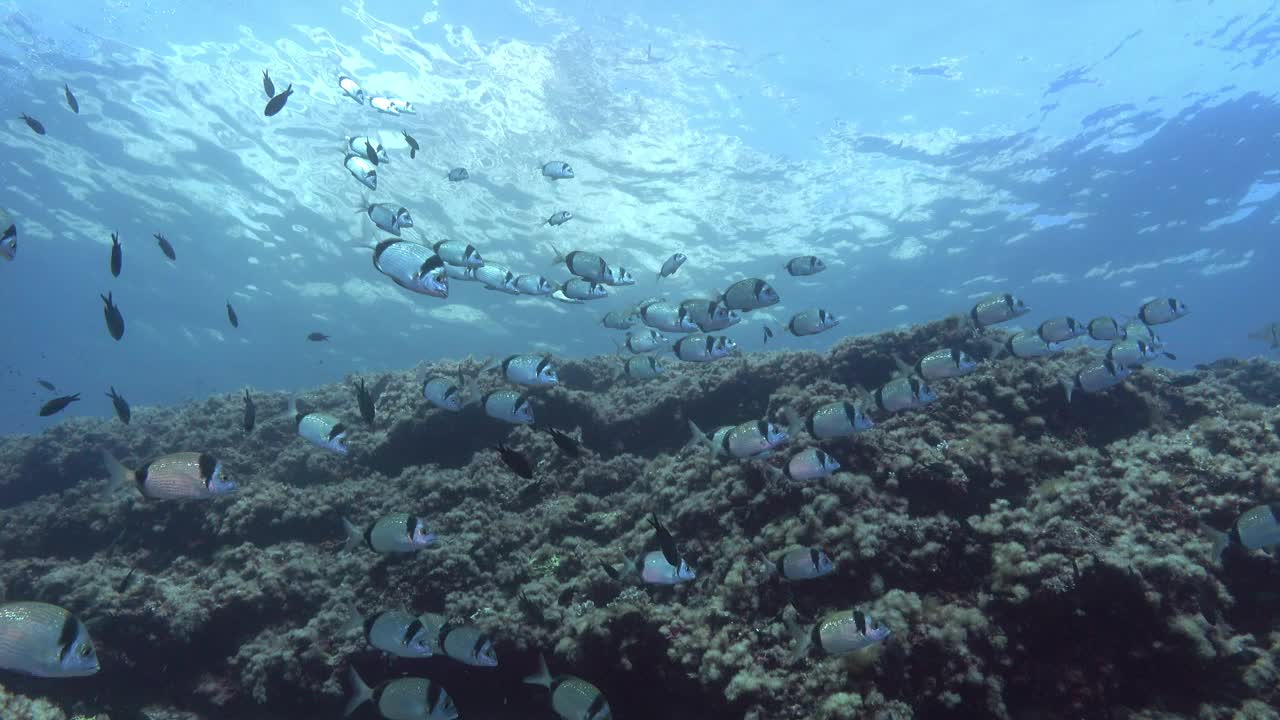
594 360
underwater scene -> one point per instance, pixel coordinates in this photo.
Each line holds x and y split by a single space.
520 359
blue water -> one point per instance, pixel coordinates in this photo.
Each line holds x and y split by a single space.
1087 159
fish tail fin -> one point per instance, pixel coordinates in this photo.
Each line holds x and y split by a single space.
361 693
861 393
696 436
354 619
292 409
558 256
354 537
997 348
542 676
118 473
794 422
1219 539
903 368
1068 386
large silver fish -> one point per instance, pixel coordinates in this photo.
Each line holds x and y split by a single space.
557 170
749 294
585 265
704 348
445 393
319 429
997 309
396 533
805 265
802 564
644 341
394 632
1095 378
1106 328
389 218
671 265
407 698
535 285
653 569
903 393
457 253
1026 345
811 322
351 89
1257 527
582 289
45 641
495 277
1162 310
835 420
615 320
749 440
8 236
839 633
940 364
710 315
384 105
508 406
362 170
665 316
176 476
530 370
1132 353
412 266
643 367
467 644
571 697
810 464
362 145
1061 329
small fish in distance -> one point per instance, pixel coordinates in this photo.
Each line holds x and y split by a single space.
557 170
121 405
267 86
458 175
805 265
317 337
413 144
319 429
997 309
513 459
165 247
672 264
33 123
115 320
117 256
394 632
9 236
71 99
395 533
567 444
276 104
559 218
58 404
365 401
768 334
231 316
46 385
250 412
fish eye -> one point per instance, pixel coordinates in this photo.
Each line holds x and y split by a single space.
85 650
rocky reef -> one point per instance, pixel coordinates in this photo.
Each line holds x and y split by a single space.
1034 558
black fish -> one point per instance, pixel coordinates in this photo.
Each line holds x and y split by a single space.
317 337
668 544
122 406
231 316
1186 380
71 99
46 385
57 404
530 608
370 153
267 85
276 103
250 412
165 247
33 123
124 584
413 144
115 321
567 445
768 334
365 401
116 254
518 463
